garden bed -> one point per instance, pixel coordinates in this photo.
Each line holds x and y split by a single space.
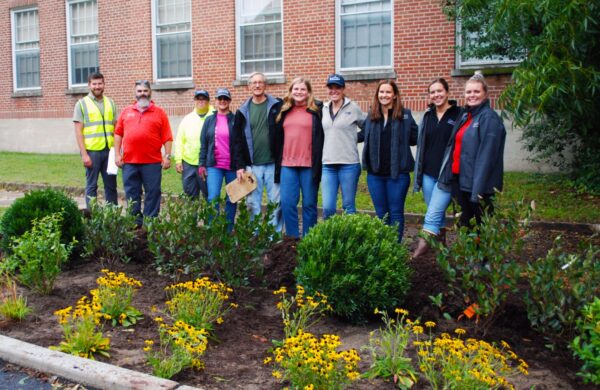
236 360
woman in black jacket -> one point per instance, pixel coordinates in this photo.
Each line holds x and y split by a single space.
388 133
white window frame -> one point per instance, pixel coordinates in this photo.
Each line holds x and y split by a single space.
478 63
70 44
155 46
13 26
238 44
338 43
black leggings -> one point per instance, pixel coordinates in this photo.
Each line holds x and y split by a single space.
470 209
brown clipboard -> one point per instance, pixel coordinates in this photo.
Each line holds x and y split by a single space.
237 190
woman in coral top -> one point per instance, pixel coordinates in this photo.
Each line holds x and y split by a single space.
216 163
298 149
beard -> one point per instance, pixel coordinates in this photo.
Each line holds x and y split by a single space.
143 101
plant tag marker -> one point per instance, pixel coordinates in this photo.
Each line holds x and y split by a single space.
471 310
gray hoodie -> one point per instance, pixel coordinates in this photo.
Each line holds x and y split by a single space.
341 133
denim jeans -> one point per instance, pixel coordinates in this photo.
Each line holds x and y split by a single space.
148 176
388 197
435 216
99 162
296 180
214 181
265 179
192 183
344 176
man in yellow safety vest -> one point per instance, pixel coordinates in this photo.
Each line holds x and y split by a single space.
94 117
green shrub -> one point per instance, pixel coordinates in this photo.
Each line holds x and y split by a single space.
191 237
560 285
109 233
37 204
481 265
38 254
586 346
356 261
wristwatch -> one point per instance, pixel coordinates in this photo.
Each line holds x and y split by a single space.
168 156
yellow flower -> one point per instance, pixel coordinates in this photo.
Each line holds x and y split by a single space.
158 319
430 324
220 320
401 311
276 374
460 331
267 360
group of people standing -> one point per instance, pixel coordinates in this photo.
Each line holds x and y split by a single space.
296 144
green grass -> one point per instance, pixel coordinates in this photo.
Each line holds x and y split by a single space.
555 200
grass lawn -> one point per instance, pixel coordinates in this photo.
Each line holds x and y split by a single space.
554 200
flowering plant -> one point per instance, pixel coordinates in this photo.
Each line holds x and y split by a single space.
12 305
114 295
300 312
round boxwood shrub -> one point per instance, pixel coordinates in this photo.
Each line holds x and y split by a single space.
37 204
357 262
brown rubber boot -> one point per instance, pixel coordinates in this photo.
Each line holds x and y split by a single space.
422 248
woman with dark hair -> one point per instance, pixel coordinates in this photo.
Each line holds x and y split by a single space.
389 131
298 153
473 165
434 133
216 162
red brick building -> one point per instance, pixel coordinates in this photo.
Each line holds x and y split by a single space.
47 48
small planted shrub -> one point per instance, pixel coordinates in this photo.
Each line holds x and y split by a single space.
560 284
109 232
356 261
586 345
300 312
12 305
39 254
35 205
113 298
179 346
481 265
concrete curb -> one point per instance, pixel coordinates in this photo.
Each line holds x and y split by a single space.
79 370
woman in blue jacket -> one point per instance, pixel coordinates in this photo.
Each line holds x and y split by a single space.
389 131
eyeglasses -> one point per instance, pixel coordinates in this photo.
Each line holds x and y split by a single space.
145 83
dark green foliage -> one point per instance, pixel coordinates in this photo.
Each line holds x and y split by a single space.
109 233
586 345
190 238
37 204
357 262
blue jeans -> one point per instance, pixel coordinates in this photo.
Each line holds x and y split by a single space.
296 180
388 197
214 182
99 162
148 176
265 179
429 183
336 176
436 208
192 183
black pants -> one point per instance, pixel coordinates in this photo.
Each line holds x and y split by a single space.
470 209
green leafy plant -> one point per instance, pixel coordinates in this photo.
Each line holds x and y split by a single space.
586 345
109 232
387 347
356 261
35 205
481 265
12 305
39 254
200 303
300 312
114 295
179 346
311 363
191 237
82 332
560 284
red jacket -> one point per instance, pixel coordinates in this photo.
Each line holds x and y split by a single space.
144 134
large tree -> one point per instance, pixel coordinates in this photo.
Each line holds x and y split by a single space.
555 91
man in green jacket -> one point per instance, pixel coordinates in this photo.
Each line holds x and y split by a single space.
187 145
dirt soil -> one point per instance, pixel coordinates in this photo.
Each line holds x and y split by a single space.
236 361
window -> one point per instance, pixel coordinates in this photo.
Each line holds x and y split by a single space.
260 36
173 39
364 36
466 61
82 28
26 49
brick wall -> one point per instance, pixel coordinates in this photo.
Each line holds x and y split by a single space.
423 49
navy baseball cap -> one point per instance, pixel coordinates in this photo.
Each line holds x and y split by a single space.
223 92
201 93
336 79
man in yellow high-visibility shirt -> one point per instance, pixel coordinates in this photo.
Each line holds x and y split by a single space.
94 117
187 145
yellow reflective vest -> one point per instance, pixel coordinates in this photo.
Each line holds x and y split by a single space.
98 130
187 141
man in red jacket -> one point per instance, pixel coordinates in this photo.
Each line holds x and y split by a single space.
141 132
